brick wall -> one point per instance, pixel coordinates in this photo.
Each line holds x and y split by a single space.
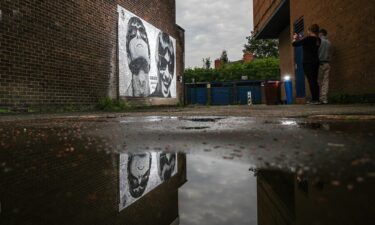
180 58
286 62
65 51
351 29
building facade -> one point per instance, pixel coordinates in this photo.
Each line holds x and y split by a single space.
350 30
57 53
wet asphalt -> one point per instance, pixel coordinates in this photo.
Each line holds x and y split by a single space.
318 170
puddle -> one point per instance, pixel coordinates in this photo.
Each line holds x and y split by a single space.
149 172
203 119
314 126
217 192
149 119
299 123
193 128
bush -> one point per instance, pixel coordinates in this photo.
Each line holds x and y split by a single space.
259 69
108 104
4 110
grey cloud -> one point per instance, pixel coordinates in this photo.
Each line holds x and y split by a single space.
214 25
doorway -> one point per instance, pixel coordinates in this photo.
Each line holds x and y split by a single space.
299 27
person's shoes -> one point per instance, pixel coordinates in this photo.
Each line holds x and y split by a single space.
324 102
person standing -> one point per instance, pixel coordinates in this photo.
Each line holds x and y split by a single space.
310 45
324 68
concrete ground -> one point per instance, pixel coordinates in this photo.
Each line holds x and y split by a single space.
353 112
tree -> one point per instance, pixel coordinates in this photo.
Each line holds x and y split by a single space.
206 63
224 57
262 48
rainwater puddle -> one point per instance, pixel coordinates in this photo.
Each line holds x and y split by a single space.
150 171
204 119
193 128
218 191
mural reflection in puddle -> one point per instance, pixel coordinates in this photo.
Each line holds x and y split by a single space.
140 173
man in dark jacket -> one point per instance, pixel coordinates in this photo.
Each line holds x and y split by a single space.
310 45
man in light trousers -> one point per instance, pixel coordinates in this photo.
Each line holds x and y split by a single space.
324 68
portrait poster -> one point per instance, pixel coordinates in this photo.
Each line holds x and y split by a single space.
140 173
146 57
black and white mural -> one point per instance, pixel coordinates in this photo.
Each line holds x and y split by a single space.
140 173
147 58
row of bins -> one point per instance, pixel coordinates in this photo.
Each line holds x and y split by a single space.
224 93
196 94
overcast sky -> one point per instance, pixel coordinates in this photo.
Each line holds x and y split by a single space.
212 26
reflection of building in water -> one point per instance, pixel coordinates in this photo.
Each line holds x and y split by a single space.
275 198
81 187
285 198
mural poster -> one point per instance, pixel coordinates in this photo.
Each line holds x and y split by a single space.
147 58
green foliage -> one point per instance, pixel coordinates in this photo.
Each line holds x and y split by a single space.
199 75
69 108
180 104
262 48
108 104
32 110
260 69
206 63
224 57
2 110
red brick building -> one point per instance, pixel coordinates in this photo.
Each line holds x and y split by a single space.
57 53
247 58
350 26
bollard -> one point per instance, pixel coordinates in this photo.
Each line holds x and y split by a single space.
249 98
288 91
